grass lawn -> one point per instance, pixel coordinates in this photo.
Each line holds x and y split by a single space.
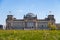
29 34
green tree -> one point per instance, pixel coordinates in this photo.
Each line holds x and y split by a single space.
52 26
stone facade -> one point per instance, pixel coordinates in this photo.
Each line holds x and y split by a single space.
29 22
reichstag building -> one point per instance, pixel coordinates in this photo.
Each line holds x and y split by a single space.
29 22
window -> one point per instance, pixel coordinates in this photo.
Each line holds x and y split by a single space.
42 26
30 24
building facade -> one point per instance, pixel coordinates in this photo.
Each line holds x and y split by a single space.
1 27
29 22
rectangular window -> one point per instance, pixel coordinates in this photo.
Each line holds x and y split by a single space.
30 24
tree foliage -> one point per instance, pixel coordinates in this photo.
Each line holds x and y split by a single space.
52 26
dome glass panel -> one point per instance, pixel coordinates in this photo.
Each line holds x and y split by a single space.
30 15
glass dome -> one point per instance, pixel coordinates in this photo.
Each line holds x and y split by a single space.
30 15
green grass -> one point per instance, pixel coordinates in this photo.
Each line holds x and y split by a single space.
29 34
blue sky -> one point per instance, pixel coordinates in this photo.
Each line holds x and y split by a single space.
20 7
